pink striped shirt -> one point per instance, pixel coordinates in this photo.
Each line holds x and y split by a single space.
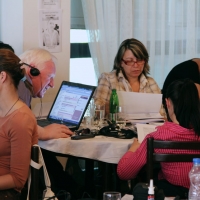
175 173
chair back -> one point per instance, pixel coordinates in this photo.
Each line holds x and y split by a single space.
34 187
169 157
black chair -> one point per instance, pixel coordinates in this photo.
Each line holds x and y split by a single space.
153 157
34 187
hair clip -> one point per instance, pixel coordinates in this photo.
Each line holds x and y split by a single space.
24 78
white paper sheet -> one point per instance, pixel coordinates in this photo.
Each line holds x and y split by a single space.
140 102
141 107
49 4
144 129
127 197
50 30
144 121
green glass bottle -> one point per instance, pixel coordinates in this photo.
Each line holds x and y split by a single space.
114 103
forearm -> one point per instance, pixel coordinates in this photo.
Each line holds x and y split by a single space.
42 134
53 131
103 90
132 161
6 182
135 145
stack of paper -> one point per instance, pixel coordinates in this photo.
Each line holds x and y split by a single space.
141 107
143 130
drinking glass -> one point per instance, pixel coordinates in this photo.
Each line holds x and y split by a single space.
99 114
89 114
121 116
111 196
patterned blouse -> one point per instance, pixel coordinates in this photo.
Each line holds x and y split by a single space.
109 81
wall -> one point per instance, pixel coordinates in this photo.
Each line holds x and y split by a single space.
31 38
11 24
19 25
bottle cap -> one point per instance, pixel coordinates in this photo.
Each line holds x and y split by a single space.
114 90
196 160
151 188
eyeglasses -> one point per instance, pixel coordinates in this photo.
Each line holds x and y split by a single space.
132 62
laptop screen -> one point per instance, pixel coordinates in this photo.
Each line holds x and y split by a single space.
71 103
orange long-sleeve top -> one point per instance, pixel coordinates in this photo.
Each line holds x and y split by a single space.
18 132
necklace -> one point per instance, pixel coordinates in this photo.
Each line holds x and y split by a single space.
12 107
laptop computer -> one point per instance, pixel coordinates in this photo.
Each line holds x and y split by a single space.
70 105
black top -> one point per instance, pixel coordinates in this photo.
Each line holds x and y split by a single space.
188 69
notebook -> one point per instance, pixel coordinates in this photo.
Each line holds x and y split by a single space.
70 105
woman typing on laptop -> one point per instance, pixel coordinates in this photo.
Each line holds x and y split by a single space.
130 73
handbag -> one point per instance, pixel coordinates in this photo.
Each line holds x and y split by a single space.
47 194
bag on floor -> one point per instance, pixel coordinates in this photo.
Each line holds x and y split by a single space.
47 194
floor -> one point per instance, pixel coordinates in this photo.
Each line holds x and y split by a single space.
75 167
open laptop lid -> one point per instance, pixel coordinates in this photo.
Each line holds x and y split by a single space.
70 104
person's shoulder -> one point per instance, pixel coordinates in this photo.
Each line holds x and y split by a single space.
184 63
23 118
154 88
111 74
196 60
150 79
26 112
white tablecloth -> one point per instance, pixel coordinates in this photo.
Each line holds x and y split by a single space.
101 148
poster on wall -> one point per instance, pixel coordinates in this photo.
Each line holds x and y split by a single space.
49 4
50 30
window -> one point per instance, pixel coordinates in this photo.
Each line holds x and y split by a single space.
81 64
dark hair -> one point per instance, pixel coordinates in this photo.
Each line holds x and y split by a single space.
6 46
185 98
9 63
138 50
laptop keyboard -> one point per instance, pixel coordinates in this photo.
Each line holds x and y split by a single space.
43 122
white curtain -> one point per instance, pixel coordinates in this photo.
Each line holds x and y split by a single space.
170 29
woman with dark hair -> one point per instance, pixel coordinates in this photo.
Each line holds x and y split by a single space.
187 69
6 46
130 73
18 128
183 110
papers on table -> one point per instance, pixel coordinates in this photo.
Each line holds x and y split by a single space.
144 118
144 129
127 197
141 107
